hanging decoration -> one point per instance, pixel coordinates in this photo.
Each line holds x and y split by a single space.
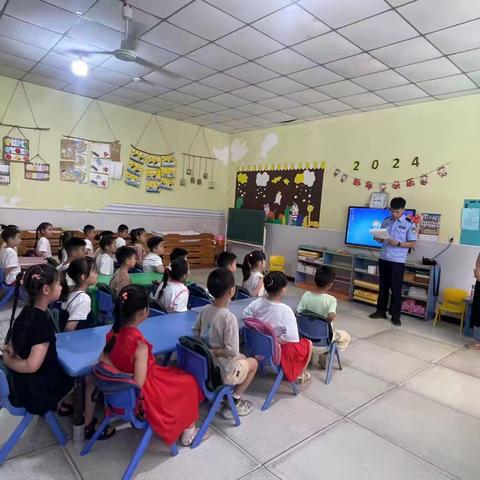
134 173
423 179
290 194
16 149
38 168
74 154
4 173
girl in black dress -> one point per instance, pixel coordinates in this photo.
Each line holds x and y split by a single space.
39 382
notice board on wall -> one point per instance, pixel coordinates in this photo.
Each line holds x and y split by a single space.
470 222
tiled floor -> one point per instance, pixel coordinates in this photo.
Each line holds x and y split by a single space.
405 406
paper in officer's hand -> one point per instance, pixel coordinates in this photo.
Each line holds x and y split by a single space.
380 233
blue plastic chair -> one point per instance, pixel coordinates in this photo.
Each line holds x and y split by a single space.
6 291
319 331
242 296
27 418
260 345
153 312
105 307
197 365
125 402
198 302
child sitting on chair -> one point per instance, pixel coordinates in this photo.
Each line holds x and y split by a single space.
105 263
74 248
172 295
320 303
218 328
296 351
152 262
126 258
8 255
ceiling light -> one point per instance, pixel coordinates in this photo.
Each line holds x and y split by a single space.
79 67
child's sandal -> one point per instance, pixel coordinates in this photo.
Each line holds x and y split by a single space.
303 378
90 429
65 410
188 436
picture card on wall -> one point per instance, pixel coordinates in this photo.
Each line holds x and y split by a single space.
98 180
100 150
37 171
116 170
4 172
16 149
100 165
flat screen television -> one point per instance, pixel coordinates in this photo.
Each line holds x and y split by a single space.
359 222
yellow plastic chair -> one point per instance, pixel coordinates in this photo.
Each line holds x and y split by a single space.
277 263
453 302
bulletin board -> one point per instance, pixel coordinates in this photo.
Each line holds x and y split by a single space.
470 222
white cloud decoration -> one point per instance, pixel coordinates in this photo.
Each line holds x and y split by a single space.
262 179
308 178
238 150
221 154
270 140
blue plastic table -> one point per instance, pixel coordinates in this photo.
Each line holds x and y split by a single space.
78 351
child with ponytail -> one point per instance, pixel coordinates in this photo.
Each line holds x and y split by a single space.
253 267
296 351
139 241
42 243
170 396
172 295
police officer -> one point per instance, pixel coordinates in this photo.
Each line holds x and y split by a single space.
392 260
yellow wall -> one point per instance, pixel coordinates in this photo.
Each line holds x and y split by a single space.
59 111
437 132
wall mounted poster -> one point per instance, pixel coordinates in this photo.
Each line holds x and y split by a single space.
429 227
16 149
4 173
37 171
289 194
74 155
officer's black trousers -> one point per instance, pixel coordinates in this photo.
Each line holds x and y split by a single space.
391 280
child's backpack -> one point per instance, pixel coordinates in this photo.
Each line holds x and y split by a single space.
198 291
109 379
198 346
63 317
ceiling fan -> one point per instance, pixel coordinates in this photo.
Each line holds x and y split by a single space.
126 52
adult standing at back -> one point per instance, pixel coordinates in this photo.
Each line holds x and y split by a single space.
475 345
393 256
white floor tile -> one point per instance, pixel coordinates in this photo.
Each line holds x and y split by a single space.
413 345
444 332
390 366
439 434
348 451
359 326
457 390
260 474
348 390
463 360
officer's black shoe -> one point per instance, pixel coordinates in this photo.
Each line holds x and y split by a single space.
378 314
396 322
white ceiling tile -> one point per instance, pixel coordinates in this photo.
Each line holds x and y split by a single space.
254 109
291 25
173 38
144 107
257 121
440 86
281 85
189 110
363 100
404 53
161 9
147 88
20 49
55 73
374 108
90 85
223 82
41 14
132 95
175 115
253 93
459 94
327 48
439 67
83 90
301 112
45 81
56 60
278 117
402 93
279 103
285 61
357 65
128 68
13 28
251 72
110 14
13 61
341 89
108 76
430 15
233 114
249 10
178 97
154 54
216 57
467 61
66 46
416 100
212 117
384 29
249 43
237 124
475 76
379 80
316 76
214 23
229 100
73 5
308 96
189 69
162 104
330 106
11 72
199 90
96 34
166 80
220 127
114 99
457 39
337 13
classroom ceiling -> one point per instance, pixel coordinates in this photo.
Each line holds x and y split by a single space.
246 64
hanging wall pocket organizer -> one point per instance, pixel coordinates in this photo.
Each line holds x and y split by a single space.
38 168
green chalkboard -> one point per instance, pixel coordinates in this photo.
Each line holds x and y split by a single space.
246 226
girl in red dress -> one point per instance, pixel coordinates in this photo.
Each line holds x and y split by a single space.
171 396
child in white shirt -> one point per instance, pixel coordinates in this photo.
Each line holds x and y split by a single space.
8 255
42 244
172 295
89 232
152 262
296 351
74 248
105 262
123 234
253 267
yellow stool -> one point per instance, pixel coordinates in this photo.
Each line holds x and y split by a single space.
453 302
277 263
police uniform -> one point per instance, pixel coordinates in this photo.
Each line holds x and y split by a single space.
392 264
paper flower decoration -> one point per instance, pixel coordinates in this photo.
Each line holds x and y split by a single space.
368 185
357 182
410 182
442 171
336 172
344 178
383 187
424 180
396 185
